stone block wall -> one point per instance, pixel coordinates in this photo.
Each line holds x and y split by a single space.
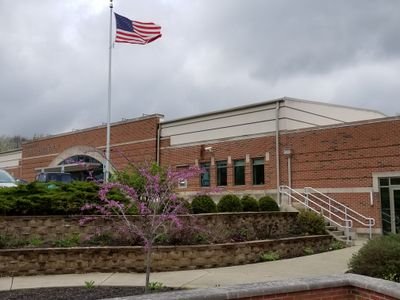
21 262
265 224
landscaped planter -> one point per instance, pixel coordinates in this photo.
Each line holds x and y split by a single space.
17 262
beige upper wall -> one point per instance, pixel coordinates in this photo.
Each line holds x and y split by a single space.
260 119
10 159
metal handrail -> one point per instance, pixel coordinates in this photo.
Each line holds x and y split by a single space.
371 221
348 223
345 210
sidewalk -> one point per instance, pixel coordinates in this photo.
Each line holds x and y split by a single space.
327 263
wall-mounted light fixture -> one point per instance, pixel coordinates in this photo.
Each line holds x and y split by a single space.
287 151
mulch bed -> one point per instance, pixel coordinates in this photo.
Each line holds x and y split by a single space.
76 293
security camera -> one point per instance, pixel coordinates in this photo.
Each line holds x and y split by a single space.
209 149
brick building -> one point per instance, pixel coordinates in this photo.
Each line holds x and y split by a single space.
350 155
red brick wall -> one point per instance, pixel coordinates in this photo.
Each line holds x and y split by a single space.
331 157
140 134
325 158
255 148
342 156
338 293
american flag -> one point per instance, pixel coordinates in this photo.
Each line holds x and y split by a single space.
135 32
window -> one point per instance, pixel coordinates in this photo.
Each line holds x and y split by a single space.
205 175
395 181
238 172
258 171
222 178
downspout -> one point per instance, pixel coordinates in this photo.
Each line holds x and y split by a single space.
278 195
158 144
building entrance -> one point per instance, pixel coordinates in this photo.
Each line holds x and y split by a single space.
390 204
81 167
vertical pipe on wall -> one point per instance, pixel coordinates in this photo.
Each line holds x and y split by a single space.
278 195
158 144
289 166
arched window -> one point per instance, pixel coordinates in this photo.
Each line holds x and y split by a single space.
82 167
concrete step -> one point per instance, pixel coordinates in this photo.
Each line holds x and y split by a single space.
337 233
331 227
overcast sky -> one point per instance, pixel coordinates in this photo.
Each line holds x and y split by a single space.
214 54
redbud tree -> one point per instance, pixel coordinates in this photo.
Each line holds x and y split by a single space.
151 190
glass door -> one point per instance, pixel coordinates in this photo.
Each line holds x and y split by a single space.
395 209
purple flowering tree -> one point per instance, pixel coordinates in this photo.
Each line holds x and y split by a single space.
152 192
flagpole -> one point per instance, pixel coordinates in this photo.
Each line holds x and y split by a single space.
107 166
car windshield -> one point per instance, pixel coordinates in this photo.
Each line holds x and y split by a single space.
5 177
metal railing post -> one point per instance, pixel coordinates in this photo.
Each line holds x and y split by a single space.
306 192
346 221
370 228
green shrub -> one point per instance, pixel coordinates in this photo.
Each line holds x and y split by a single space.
249 203
90 284
308 251
229 203
203 204
266 203
336 245
156 286
270 256
310 223
379 258
68 241
47 199
8 241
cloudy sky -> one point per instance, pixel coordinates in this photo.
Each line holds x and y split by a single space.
214 54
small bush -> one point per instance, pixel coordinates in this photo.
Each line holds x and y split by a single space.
156 286
38 198
379 258
229 203
69 241
270 256
249 203
336 245
310 223
266 203
7 241
203 204
308 250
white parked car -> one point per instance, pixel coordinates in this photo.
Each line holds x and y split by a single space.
6 180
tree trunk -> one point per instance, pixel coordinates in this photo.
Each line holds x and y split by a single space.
148 267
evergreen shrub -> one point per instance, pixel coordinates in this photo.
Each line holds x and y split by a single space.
378 258
229 203
310 223
47 198
203 204
249 203
266 203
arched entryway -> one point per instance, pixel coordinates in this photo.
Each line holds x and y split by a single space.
82 162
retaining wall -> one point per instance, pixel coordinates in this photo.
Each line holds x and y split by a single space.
18 262
262 224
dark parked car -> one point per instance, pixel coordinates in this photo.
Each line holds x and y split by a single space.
54 176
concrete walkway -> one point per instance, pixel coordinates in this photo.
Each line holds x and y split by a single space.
328 263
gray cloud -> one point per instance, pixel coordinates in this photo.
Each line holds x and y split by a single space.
213 55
